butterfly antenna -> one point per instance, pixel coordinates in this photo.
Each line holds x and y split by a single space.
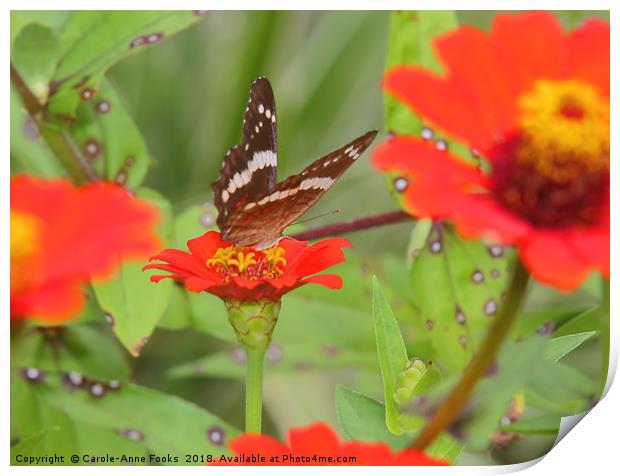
333 212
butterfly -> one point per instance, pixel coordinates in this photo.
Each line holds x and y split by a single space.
253 208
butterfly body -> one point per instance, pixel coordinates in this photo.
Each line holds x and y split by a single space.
254 209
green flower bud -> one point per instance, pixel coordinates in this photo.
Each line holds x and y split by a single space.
406 382
253 321
414 380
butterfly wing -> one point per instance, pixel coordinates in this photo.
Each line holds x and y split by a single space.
249 169
261 221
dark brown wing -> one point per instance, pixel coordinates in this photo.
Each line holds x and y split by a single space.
261 221
249 169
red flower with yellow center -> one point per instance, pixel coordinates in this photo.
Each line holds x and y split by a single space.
62 236
533 102
319 445
245 274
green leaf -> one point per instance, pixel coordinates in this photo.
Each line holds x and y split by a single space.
27 145
560 346
558 388
544 424
585 321
92 41
129 420
178 314
456 288
22 18
34 55
109 138
83 348
41 428
542 321
362 418
392 352
135 304
193 222
410 42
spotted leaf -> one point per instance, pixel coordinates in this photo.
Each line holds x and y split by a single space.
456 289
92 41
130 420
109 139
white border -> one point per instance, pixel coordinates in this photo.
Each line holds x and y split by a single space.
592 448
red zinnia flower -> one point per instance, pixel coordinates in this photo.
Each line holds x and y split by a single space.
62 236
534 102
245 274
319 445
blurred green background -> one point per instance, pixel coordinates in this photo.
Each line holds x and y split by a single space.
187 96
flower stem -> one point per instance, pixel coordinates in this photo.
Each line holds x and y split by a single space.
604 323
356 224
484 358
254 390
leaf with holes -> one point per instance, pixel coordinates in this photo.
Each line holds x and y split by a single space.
543 321
92 41
130 420
456 288
109 139
81 348
392 352
130 299
411 39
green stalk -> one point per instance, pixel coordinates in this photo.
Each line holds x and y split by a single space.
481 362
254 390
253 322
58 140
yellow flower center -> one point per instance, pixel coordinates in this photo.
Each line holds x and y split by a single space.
24 235
248 262
564 128
24 243
553 171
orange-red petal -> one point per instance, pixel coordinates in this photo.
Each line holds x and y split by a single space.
83 233
52 302
301 261
314 444
531 45
439 102
589 54
474 69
